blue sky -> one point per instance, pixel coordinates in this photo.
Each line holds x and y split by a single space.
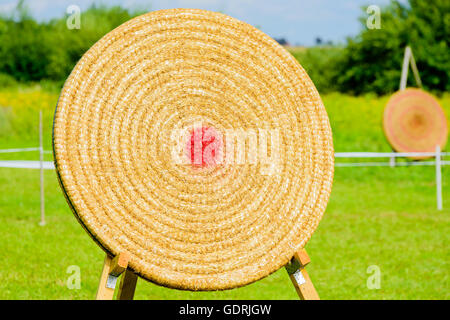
299 21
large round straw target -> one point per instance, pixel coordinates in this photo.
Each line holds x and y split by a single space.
415 122
196 144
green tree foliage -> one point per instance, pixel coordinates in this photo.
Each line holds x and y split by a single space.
372 61
32 51
320 64
22 54
369 62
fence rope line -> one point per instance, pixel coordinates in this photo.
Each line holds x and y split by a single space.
19 150
387 154
26 164
32 165
388 164
438 162
336 154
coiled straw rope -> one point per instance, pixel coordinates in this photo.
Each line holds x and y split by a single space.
188 222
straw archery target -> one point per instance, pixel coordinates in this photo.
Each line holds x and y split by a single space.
197 144
415 122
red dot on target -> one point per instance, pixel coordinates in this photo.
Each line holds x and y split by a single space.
204 148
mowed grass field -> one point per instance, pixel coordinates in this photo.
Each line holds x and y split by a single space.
380 216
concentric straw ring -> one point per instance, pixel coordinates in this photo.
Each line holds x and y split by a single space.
118 148
415 122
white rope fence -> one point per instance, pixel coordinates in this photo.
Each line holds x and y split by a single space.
19 150
438 163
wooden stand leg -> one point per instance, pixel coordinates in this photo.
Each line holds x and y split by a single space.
103 292
127 286
300 278
112 269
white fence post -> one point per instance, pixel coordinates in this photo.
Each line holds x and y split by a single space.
41 167
392 161
438 178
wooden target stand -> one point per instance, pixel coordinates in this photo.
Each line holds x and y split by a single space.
408 60
117 267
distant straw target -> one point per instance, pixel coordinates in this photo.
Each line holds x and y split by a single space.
415 122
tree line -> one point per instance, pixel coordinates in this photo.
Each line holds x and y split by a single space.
32 51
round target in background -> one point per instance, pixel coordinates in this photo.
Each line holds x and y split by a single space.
414 121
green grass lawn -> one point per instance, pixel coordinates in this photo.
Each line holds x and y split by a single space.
376 216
